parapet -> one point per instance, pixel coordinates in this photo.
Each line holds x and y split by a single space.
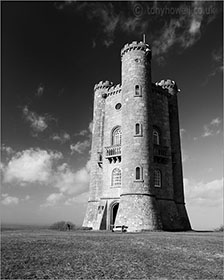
103 84
110 88
135 46
114 90
168 85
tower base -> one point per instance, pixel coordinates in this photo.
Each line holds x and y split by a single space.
138 212
174 216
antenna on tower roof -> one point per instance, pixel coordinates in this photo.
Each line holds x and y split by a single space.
143 37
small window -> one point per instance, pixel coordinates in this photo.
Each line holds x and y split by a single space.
157 178
137 90
100 157
116 177
138 129
118 106
116 136
156 138
138 173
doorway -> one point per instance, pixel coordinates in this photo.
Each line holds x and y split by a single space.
113 214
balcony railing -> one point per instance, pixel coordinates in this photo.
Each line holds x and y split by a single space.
113 153
161 154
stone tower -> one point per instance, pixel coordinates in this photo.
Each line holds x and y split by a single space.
136 168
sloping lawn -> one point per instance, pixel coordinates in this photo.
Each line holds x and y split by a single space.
48 254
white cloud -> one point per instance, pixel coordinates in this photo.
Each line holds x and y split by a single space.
83 132
216 121
27 197
9 200
82 198
80 147
62 138
207 131
42 167
216 64
71 182
7 149
217 59
29 166
52 199
212 128
207 194
184 30
37 122
195 26
86 132
167 38
184 27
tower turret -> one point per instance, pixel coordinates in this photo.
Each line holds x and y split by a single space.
178 188
137 207
96 182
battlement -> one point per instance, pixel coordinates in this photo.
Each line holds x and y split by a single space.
103 84
168 85
114 90
110 88
135 46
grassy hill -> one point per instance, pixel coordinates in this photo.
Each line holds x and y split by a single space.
47 254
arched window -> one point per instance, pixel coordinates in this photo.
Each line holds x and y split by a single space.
138 173
116 136
157 178
116 177
137 90
156 138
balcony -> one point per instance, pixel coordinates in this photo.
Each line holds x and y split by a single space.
113 153
160 154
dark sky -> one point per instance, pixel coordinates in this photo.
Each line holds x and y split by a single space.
52 55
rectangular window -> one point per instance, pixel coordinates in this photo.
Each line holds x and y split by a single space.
138 90
138 129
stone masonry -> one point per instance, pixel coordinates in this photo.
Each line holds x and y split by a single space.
136 168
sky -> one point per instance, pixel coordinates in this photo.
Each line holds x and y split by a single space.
53 53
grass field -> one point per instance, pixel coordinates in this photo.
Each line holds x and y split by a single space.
47 254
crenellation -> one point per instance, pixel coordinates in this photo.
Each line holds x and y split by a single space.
140 46
168 85
103 85
116 89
